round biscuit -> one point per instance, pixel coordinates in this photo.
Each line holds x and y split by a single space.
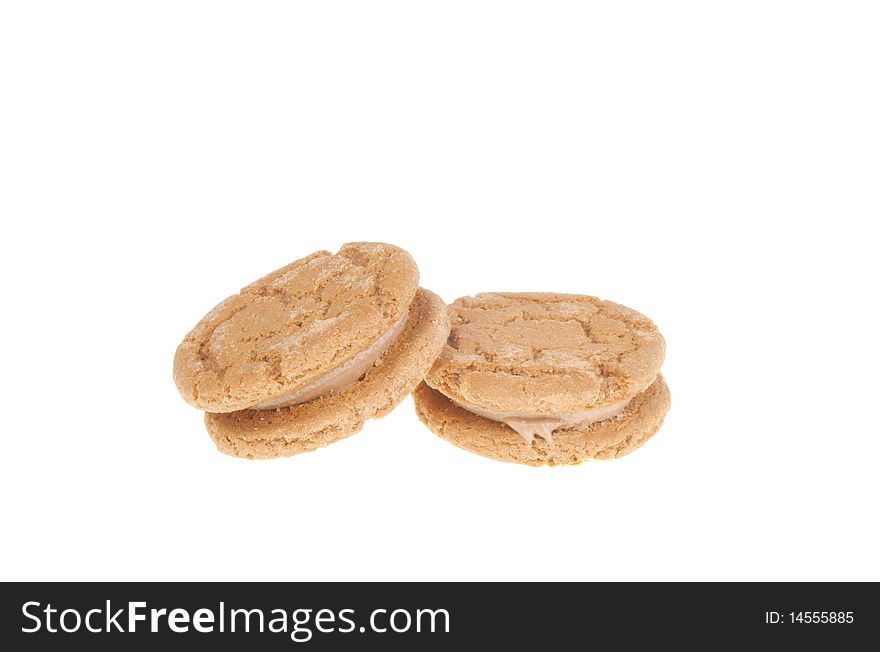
544 354
294 325
608 439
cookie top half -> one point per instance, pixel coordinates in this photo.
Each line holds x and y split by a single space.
545 354
294 325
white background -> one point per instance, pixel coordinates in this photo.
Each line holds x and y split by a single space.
713 165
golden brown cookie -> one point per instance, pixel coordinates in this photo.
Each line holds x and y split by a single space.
305 355
546 378
294 325
604 440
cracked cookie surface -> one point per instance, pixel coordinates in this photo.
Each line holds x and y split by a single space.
542 354
294 325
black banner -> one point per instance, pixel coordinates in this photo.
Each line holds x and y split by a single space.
406 616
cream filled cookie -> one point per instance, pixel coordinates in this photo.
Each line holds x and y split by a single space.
305 355
546 379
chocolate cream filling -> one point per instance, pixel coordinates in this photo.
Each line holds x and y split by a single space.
530 425
340 378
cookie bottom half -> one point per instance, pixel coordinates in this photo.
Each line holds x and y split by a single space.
609 439
263 434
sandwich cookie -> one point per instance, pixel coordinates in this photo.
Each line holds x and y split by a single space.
546 379
304 356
